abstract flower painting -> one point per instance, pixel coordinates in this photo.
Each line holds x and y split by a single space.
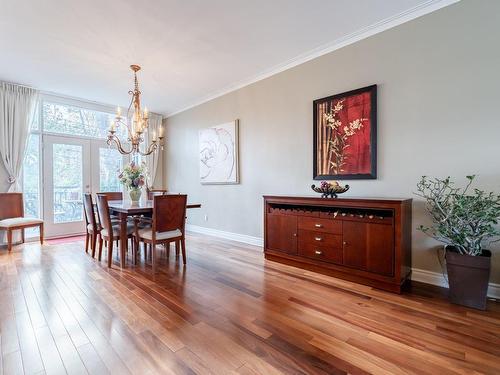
345 135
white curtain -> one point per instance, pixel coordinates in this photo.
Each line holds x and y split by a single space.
17 111
155 123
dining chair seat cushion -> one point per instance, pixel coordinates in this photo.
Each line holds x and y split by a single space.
116 230
147 233
19 221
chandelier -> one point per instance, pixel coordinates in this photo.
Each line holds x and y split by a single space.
136 124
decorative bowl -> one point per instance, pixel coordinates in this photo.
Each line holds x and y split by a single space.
330 189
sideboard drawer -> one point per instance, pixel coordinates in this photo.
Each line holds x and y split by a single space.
320 225
324 253
319 238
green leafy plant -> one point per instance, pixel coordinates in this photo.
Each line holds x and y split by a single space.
463 218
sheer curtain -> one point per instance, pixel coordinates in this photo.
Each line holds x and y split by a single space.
155 123
17 111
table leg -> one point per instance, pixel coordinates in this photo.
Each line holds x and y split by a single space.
123 238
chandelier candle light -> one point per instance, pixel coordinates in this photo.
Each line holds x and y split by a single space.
137 124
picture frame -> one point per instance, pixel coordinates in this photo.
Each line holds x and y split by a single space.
219 154
345 135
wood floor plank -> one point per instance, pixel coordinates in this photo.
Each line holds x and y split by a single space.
228 311
32 362
13 363
48 350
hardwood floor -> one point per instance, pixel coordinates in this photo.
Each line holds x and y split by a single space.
227 312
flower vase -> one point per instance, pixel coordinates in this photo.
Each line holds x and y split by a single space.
135 195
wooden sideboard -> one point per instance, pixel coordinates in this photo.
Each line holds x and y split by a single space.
361 240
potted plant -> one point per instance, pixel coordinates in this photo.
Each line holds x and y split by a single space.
465 220
133 177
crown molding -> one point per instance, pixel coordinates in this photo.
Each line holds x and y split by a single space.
378 27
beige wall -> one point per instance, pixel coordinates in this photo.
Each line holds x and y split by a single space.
438 96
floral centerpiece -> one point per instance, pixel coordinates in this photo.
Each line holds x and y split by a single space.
133 177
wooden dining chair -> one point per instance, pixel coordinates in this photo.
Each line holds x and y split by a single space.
154 192
110 232
12 217
112 195
168 225
93 228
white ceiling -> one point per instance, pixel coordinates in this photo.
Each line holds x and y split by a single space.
190 50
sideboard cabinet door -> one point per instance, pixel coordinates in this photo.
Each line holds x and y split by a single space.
380 244
369 247
354 235
281 233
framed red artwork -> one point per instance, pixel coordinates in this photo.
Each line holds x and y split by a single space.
345 135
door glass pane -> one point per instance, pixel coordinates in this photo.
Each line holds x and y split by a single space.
110 165
31 185
67 168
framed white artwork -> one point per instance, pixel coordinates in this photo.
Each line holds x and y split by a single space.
219 154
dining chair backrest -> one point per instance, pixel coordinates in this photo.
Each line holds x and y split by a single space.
169 212
88 209
103 212
154 193
113 195
11 205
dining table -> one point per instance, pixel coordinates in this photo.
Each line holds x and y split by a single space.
125 208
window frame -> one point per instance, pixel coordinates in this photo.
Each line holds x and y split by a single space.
41 132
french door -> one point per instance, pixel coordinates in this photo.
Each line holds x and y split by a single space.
74 166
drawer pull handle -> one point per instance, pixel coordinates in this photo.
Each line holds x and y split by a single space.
295 234
345 242
318 238
318 252
318 225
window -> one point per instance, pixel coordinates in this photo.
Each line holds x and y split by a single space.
110 163
64 117
72 120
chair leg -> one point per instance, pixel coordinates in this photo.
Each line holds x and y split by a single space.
94 242
9 240
183 246
41 234
153 257
110 252
22 235
134 250
177 248
99 256
87 241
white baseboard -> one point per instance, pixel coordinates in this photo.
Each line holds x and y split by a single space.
256 241
436 278
423 276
